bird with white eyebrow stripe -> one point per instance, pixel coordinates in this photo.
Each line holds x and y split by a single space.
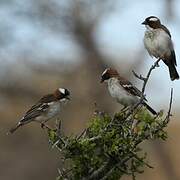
157 41
122 90
48 107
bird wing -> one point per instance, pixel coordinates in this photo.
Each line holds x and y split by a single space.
166 30
172 56
171 59
128 86
40 107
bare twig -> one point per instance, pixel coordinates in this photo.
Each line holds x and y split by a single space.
138 76
170 107
145 80
135 156
102 171
111 168
148 75
46 126
165 122
64 173
82 134
59 128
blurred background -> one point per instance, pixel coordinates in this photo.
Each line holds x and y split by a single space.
46 44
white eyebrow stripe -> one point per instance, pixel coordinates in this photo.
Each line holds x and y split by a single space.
153 19
50 103
104 72
62 90
127 85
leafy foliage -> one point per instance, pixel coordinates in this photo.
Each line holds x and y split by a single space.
109 147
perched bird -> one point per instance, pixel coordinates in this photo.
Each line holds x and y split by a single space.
46 108
122 90
157 41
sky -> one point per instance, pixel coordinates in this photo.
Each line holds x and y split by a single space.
120 32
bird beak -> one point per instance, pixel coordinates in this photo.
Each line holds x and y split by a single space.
68 98
144 23
102 80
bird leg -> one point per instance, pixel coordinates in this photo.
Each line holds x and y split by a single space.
124 109
45 125
157 62
58 126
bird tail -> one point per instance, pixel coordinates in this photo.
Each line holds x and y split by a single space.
173 72
12 130
171 63
150 108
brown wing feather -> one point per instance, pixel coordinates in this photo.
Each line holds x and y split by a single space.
129 87
38 108
166 30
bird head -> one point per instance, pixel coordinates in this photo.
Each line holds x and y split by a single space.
109 73
152 22
62 94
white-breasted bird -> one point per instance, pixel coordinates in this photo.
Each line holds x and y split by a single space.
157 41
48 107
122 90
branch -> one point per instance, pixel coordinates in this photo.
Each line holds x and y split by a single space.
165 121
170 107
114 166
101 172
145 80
149 73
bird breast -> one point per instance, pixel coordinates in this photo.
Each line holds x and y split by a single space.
158 43
54 109
120 94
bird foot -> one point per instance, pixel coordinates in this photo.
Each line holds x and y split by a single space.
42 125
124 109
157 64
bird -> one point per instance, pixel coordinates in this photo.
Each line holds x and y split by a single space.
48 107
123 90
158 43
